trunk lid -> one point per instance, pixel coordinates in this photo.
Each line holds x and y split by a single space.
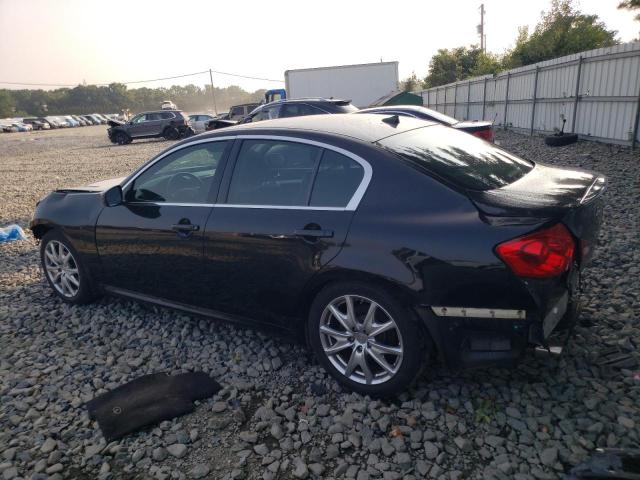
547 194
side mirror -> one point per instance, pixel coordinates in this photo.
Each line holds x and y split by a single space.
113 196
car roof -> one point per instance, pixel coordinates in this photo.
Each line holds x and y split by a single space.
365 127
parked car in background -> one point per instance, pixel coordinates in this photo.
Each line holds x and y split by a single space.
8 127
37 124
55 121
170 124
22 127
290 108
71 121
297 224
80 120
199 121
478 128
168 105
91 119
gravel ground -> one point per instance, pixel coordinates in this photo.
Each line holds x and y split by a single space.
279 415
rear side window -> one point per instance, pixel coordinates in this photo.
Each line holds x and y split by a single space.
458 158
337 180
299 110
282 173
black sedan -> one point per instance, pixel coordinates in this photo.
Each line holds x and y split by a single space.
479 128
380 241
298 107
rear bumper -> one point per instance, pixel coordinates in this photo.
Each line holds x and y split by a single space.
467 342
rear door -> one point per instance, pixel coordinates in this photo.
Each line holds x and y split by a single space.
152 243
285 213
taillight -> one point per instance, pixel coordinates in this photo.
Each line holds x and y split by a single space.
486 134
542 254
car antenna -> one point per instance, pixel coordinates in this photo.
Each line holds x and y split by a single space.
393 120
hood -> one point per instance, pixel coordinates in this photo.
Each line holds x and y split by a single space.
96 187
115 123
543 192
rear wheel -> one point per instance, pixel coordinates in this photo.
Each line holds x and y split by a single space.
171 133
63 269
365 338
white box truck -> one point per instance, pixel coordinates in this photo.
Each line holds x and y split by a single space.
362 84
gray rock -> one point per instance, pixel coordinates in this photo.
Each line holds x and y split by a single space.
48 446
201 470
300 469
549 456
159 454
178 450
430 450
219 407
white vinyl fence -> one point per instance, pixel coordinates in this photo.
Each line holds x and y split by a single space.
597 92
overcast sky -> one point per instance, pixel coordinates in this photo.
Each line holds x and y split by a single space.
71 41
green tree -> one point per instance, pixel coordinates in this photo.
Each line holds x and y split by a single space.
562 30
6 104
630 5
448 66
411 83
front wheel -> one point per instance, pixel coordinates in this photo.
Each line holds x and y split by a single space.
122 138
365 338
64 271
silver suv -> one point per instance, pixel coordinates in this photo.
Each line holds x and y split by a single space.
170 124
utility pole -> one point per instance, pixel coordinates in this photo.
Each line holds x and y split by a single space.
213 95
483 47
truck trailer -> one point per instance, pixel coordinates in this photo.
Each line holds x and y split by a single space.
363 84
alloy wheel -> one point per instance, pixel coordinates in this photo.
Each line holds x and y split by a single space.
361 339
62 269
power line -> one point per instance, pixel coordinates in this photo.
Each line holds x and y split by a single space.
141 81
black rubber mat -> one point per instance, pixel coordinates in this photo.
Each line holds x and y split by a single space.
148 400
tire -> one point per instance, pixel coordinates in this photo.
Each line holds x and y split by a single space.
79 291
171 133
360 346
121 138
561 140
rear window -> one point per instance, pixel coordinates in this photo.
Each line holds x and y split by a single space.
458 158
346 108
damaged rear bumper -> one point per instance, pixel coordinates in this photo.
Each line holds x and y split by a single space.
474 337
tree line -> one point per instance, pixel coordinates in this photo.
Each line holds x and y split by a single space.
563 30
117 97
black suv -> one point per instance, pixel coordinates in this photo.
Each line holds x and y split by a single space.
170 124
291 108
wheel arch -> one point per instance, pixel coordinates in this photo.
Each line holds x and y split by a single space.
323 279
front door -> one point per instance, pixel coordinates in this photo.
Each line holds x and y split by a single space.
152 243
286 215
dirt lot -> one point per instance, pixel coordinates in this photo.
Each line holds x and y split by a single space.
280 415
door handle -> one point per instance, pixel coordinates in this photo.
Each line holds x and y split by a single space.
185 227
313 233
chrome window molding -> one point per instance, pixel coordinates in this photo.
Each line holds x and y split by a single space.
352 205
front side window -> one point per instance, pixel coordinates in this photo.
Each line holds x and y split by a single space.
139 119
272 172
267 113
166 115
184 176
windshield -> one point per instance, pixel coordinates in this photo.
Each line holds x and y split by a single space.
457 157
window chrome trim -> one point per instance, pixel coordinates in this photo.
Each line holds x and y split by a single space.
351 206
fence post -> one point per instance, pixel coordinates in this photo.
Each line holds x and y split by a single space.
468 98
437 98
636 124
535 95
484 96
506 102
577 99
455 99
445 100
